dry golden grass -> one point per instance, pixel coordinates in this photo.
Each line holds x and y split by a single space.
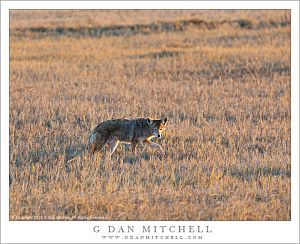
224 86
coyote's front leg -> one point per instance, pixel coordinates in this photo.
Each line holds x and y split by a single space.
133 147
152 144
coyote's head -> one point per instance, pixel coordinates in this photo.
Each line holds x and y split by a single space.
157 126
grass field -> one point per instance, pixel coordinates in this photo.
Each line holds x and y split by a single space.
221 77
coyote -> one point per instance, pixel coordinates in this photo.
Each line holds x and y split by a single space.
129 131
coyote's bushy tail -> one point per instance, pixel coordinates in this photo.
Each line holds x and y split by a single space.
97 140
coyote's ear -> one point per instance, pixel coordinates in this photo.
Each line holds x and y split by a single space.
165 120
149 121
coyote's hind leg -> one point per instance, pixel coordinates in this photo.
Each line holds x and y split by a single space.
113 146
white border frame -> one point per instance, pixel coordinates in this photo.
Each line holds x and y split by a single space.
82 231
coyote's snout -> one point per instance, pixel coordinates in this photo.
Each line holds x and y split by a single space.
132 131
